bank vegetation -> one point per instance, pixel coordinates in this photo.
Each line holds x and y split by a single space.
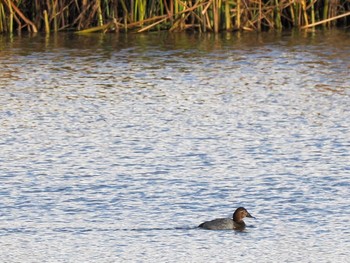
172 15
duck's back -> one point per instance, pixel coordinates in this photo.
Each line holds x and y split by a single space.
218 224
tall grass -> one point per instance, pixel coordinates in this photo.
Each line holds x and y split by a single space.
173 15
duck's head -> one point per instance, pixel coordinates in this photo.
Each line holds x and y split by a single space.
241 213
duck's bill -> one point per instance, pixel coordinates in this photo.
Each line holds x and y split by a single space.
249 215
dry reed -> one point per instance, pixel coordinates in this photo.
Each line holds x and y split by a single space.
173 15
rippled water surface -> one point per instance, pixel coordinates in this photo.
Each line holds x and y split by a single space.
113 148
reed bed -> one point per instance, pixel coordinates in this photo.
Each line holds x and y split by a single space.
173 15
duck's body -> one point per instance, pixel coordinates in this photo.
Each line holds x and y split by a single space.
222 224
236 223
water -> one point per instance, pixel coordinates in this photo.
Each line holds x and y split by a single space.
114 148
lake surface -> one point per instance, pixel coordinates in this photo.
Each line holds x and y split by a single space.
113 148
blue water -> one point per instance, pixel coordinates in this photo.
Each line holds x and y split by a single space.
114 148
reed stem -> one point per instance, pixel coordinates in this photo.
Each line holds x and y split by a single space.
326 20
238 14
278 21
325 11
47 24
228 23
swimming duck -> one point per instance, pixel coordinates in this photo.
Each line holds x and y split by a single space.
236 223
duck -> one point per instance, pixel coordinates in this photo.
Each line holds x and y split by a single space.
234 223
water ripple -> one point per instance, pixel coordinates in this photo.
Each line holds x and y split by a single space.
119 146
